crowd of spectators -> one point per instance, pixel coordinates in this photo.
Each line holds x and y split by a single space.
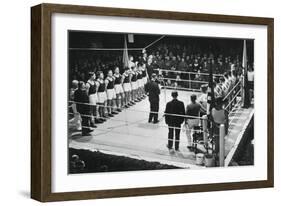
167 56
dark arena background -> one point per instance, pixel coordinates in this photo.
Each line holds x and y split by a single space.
114 125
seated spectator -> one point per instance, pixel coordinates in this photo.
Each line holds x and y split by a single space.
197 80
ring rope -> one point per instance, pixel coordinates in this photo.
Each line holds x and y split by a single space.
154 42
134 122
181 88
135 134
134 110
184 72
106 49
118 49
163 126
233 113
185 80
239 82
233 99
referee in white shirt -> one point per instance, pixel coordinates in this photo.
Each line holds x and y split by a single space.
250 75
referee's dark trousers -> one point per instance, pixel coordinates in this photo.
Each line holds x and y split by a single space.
154 109
174 129
153 90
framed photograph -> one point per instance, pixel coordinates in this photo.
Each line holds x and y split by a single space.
130 102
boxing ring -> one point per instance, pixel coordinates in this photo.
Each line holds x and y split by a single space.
129 133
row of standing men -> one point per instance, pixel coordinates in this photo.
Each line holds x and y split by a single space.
101 98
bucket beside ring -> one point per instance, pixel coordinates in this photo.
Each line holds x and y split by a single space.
199 159
209 160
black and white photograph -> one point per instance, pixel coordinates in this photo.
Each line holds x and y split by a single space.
150 102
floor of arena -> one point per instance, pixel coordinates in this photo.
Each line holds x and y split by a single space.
129 134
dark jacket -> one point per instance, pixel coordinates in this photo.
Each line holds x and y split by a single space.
153 91
149 69
174 107
193 109
82 97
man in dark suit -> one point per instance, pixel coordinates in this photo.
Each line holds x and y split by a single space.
174 117
81 100
153 90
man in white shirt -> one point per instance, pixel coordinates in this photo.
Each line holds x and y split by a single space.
251 78
131 62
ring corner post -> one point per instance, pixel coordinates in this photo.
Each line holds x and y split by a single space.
222 146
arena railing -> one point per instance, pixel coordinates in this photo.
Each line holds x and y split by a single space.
232 90
189 80
186 72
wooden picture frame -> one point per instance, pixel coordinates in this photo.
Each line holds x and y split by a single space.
41 101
